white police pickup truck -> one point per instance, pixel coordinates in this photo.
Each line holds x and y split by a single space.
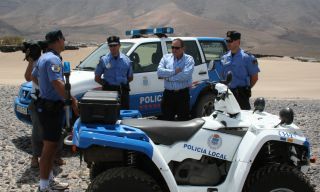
146 88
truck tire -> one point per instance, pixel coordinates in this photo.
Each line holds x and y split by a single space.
205 105
278 178
123 179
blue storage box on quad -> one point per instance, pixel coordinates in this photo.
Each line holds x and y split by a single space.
100 107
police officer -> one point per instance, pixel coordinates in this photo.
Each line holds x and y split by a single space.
244 68
48 74
117 72
176 70
36 139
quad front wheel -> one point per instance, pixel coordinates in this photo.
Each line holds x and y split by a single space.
277 178
123 179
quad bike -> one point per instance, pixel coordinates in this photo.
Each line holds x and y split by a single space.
231 150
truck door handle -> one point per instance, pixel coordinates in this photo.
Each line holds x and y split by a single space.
202 72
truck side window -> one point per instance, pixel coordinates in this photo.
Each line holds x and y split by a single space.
213 50
191 48
146 57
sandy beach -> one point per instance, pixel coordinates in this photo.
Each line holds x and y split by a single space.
280 78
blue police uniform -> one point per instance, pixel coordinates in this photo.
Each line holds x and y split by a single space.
115 70
176 96
115 75
243 66
50 104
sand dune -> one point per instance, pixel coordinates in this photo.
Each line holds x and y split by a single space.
281 78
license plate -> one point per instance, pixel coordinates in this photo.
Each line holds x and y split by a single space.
22 110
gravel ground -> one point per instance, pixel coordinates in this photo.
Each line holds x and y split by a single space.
15 145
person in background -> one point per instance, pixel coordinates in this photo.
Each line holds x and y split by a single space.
244 69
176 69
48 74
116 69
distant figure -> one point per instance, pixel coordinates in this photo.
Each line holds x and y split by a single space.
244 67
176 69
48 74
36 138
116 69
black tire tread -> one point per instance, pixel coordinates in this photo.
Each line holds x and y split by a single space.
271 170
124 172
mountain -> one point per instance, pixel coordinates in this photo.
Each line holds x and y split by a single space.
279 27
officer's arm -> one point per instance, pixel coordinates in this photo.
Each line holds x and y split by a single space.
130 73
34 79
27 73
253 70
59 87
253 80
98 79
186 73
34 75
98 72
162 71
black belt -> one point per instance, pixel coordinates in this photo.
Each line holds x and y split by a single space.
122 87
178 90
52 102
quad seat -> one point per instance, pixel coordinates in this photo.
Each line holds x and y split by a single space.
166 132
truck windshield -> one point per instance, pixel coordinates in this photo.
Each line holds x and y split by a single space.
90 63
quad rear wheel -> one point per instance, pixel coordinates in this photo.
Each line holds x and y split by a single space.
123 179
277 178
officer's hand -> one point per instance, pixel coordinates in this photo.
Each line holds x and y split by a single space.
178 70
75 106
29 59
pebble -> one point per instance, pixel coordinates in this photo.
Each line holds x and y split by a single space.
15 147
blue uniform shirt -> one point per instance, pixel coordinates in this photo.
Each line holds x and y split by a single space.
49 68
167 67
115 71
242 65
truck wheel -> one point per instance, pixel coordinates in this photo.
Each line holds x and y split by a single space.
205 105
123 179
278 178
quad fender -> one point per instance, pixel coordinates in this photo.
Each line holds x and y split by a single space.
250 146
164 169
252 142
114 138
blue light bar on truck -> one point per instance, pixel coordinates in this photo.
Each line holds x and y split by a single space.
150 31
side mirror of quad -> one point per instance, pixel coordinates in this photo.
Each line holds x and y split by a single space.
259 104
286 116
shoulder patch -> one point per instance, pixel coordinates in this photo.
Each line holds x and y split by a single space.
108 65
56 68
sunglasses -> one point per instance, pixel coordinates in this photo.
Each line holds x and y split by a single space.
229 41
112 45
173 47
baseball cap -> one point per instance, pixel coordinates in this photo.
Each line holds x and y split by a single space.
233 35
113 40
53 36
